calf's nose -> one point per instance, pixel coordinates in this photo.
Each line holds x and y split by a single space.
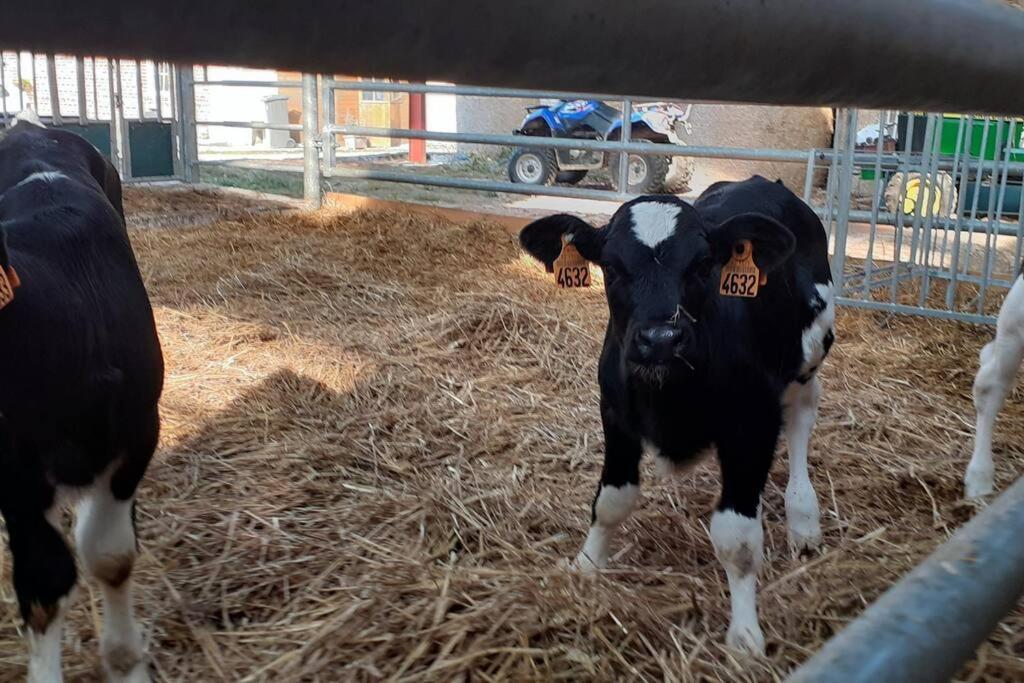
658 342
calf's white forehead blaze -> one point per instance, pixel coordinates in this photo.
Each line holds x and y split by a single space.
654 222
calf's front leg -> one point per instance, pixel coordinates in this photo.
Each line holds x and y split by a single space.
736 532
617 494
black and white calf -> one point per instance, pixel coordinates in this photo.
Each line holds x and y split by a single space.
80 375
685 369
1000 360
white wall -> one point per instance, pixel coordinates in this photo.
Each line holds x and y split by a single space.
441 112
219 103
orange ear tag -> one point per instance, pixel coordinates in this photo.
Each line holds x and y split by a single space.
740 277
571 269
8 281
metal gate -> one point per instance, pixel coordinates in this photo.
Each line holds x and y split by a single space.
925 212
128 109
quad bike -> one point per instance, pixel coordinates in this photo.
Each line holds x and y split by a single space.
655 122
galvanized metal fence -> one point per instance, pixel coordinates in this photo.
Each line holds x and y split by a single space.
924 211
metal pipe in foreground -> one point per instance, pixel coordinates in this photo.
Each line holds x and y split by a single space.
926 626
946 55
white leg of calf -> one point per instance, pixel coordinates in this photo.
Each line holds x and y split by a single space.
611 509
739 545
45 648
800 403
999 362
105 538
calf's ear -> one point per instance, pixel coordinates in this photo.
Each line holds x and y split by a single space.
542 239
772 241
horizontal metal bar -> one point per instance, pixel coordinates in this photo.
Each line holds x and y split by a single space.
928 624
471 184
253 124
887 307
250 84
468 90
886 161
792 54
781 155
152 179
976 225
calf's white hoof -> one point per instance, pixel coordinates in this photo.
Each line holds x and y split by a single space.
804 536
581 564
125 663
745 638
979 481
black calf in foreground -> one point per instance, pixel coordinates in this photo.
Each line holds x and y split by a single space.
80 375
688 367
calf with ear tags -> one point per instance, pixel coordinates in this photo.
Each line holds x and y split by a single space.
719 315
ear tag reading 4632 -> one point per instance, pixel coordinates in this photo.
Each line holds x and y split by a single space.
8 283
740 276
571 269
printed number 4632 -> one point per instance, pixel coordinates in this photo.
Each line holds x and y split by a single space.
574 277
739 284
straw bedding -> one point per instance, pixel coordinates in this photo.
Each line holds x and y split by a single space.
380 436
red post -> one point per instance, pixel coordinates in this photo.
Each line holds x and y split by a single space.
418 121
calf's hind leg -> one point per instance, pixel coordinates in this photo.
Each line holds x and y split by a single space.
106 543
44 576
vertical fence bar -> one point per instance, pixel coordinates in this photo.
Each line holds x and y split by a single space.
329 140
187 118
869 262
809 176
625 133
115 152
930 176
176 131
95 91
965 174
900 222
3 84
21 82
845 190
310 134
83 107
138 89
125 146
35 83
159 92
51 82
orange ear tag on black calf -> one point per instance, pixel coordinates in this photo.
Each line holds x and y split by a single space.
8 282
740 276
571 269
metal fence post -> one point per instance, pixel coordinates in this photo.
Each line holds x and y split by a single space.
51 81
625 135
845 185
928 624
310 140
187 116
329 141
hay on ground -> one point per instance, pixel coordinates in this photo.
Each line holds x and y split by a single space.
381 435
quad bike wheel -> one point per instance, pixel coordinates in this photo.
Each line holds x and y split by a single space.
680 175
531 166
646 173
937 196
